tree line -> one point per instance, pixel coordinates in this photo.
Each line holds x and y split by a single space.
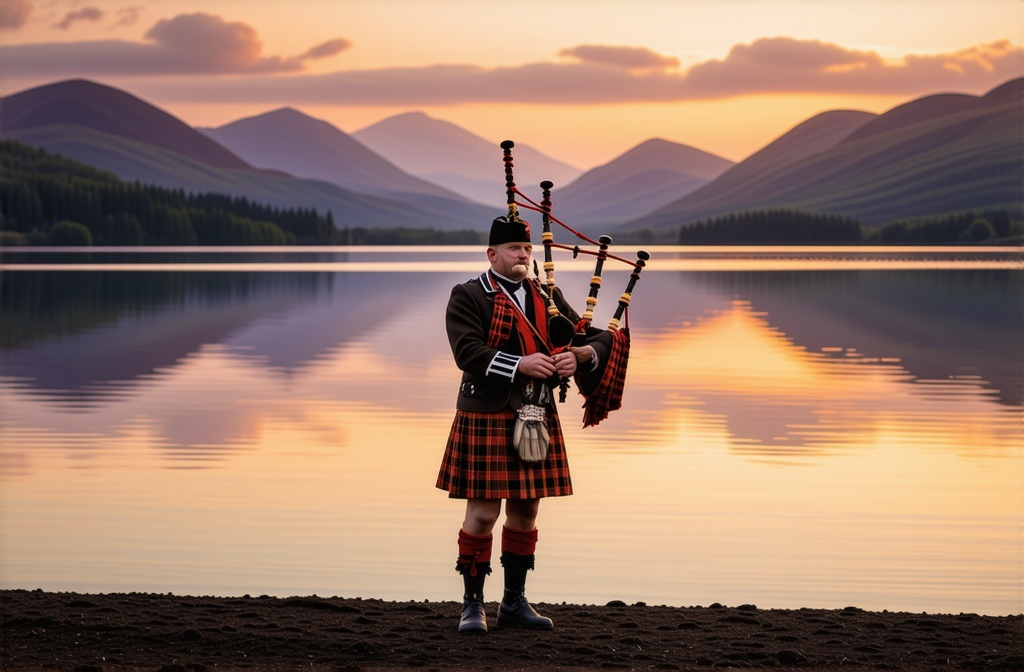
985 226
772 227
47 199
795 227
407 236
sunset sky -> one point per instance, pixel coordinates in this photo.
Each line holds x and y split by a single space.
580 80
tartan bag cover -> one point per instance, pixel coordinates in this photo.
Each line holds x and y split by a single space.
607 396
479 461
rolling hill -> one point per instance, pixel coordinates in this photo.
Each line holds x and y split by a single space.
452 157
297 144
102 108
650 175
928 157
179 156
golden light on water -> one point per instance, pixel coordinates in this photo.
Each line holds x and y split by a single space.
757 356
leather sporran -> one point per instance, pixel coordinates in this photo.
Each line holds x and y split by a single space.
530 436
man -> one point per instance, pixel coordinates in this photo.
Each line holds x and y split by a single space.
498 330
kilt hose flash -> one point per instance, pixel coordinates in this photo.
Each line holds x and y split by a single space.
480 463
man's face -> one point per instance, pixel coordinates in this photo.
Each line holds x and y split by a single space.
511 259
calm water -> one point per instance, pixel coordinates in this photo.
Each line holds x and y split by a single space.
815 428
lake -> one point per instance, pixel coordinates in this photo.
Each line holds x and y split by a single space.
801 427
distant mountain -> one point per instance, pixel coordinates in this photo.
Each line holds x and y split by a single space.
817 134
104 138
929 157
84 103
453 157
297 144
650 175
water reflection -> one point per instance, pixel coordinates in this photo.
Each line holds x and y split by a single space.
777 399
239 419
197 362
941 325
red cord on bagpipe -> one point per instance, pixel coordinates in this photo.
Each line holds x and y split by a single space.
538 208
533 205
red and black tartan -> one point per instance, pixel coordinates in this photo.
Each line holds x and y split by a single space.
608 395
480 463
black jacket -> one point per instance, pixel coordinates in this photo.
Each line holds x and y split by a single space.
488 383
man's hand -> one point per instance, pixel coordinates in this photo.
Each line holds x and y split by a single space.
584 353
565 362
537 365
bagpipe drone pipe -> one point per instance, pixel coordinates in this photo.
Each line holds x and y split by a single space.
607 395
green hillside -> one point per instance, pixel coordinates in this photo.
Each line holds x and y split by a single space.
906 173
48 199
925 159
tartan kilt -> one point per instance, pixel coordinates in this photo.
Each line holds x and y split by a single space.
480 463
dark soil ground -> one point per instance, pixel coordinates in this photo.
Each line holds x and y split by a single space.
170 633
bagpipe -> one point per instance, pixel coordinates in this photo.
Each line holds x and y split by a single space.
607 395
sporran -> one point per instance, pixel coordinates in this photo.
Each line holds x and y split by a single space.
530 436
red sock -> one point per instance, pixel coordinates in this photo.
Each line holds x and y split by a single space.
474 548
519 542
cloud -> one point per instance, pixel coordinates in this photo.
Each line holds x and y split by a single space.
439 85
188 44
85 14
329 48
198 44
127 16
630 58
784 64
775 65
14 13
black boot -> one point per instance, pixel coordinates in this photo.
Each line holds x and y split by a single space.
514 610
474 618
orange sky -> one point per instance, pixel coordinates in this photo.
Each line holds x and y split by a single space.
580 80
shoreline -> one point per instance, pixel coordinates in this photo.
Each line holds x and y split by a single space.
80 632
